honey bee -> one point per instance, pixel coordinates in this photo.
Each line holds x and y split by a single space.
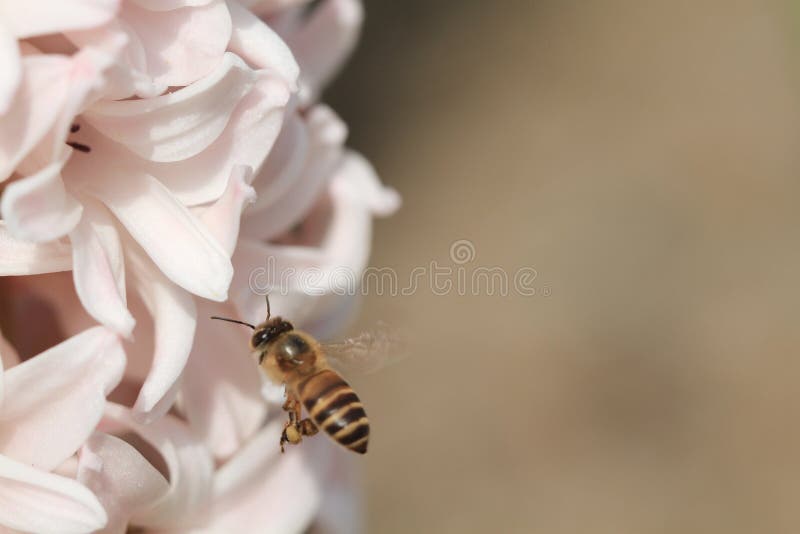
296 359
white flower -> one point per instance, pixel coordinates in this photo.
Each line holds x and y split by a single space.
138 139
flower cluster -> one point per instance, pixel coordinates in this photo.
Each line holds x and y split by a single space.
152 153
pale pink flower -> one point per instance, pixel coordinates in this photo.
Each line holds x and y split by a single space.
187 112
150 160
220 396
50 406
20 20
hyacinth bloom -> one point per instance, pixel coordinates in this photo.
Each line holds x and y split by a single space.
152 155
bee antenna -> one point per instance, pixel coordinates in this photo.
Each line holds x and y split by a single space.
269 313
233 321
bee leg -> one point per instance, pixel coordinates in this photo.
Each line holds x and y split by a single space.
292 405
307 427
291 430
290 434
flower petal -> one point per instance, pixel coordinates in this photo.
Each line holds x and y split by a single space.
98 270
177 125
256 488
221 385
10 69
259 268
85 79
246 140
249 464
38 208
324 42
181 45
39 17
188 462
173 238
35 501
19 257
285 162
126 76
255 42
124 481
322 276
342 507
58 397
358 183
174 318
222 217
42 93
286 190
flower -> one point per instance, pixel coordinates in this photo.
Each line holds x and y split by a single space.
24 20
173 151
51 404
136 147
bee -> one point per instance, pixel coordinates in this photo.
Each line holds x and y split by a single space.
296 359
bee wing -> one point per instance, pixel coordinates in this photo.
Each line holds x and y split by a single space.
366 352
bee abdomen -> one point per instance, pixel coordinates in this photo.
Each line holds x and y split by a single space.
335 408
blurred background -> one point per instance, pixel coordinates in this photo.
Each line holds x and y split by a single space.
643 158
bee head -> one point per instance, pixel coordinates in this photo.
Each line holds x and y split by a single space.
266 332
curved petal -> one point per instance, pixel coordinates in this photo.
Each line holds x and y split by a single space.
324 42
357 182
285 196
246 140
222 217
279 271
10 69
221 386
255 42
177 125
173 238
40 17
285 163
181 45
19 257
127 75
58 397
256 488
188 462
42 92
98 270
34 501
38 208
249 465
342 507
121 477
85 79
175 319
309 283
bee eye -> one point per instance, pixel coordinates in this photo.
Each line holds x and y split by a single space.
260 337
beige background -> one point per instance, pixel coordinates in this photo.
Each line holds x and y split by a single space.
643 158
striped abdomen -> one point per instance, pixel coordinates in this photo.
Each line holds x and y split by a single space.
335 408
